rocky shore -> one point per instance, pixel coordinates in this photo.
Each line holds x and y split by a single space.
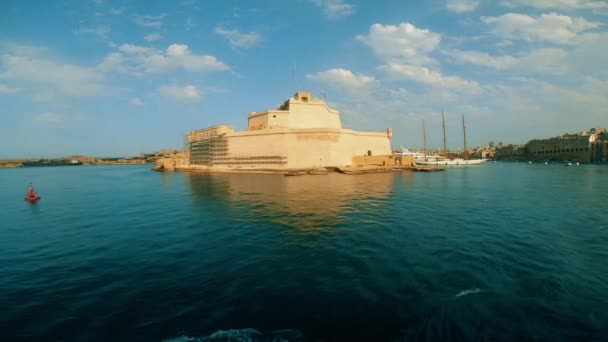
144 158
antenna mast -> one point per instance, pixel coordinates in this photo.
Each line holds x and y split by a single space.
464 134
445 149
424 138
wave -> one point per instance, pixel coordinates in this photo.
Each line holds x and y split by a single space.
244 335
468 292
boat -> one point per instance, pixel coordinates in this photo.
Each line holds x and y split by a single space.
31 194
404 152
51 162
568 164
444 160
452 162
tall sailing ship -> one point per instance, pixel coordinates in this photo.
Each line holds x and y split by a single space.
444 160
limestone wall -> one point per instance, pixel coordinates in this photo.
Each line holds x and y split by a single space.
305 148
179 159
313 115
209 132
385 160
274 119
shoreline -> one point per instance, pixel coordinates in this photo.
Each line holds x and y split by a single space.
346 170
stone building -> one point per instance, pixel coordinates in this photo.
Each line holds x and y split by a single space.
572 147
587 146
302 133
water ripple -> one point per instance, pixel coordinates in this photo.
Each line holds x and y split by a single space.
122 253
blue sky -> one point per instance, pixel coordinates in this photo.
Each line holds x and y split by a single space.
114 78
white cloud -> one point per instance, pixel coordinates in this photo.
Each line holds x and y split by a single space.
552 61
481 58
238 39
100 31
113 62
559 4
460 6
190 24
545 60
4 89
588 57
136 49
404 42
49 118
343 78
150 20
181 56
136 101
189 2
140 59
117 11
187 93
334 9
47 79
152 37
552 27
429 77
533 103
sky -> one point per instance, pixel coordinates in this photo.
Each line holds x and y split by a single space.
119 78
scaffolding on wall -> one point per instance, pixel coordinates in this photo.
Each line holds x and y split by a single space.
204 152
214 151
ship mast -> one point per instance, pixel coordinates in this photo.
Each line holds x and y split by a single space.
464 134
424 138
445 150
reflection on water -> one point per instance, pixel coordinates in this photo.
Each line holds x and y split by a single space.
309 205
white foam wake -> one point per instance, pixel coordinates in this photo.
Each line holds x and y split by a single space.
468 292
244 335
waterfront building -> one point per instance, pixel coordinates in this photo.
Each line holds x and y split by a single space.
302 133
587 146
572 147
511 152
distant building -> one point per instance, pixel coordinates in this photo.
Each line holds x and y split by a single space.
584 147
302 133
572 147
511 152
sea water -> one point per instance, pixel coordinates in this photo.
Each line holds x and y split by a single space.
502 251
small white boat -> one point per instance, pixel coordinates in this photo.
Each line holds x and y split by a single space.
530 162
568 164
451 162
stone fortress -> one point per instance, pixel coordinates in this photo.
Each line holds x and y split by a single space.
303 133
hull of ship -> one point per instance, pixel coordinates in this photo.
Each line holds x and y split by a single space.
43 164
452 162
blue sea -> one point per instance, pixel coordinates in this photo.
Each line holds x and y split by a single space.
499 252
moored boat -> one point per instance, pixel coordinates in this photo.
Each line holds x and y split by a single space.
444 160
452 162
